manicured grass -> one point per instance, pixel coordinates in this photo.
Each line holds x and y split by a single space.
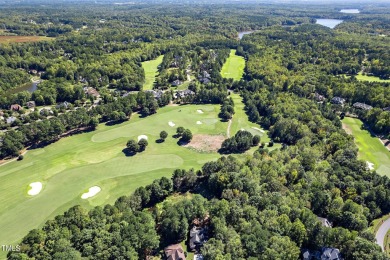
18 39
370 78
370 148
233 67
151 71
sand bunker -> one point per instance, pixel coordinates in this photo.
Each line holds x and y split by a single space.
370 165
199 123
200 111
91 192
36 188
142 137
258 129
171 124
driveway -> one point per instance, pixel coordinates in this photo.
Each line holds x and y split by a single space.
381 233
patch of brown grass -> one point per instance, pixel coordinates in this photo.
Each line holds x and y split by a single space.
206 143
347 129
19 39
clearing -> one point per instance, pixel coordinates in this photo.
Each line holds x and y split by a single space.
151 71
362 77
19 39
371 149
233 67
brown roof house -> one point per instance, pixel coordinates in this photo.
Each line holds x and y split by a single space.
16 107
91 92
174 252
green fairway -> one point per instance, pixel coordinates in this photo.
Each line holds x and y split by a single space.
370 148
150 68
370 78
69 167
233 67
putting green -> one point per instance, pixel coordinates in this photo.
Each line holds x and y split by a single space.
233 67
371 148
151 71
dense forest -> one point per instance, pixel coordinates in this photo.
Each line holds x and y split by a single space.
264 207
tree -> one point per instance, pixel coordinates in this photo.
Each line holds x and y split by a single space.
132 146
180 130
256 140
186 136
142 144
163 135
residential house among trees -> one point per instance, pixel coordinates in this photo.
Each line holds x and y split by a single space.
176 83
15 107
338 101
362 106
30 104
325 222
197 238
174 252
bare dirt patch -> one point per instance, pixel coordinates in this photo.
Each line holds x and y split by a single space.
206 143
18 39
347 129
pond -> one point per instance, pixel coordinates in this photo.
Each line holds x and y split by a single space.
350 11
30 87
330 23
241 34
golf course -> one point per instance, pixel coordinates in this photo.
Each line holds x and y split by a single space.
93 165
371 149
233 67
362 77
151 70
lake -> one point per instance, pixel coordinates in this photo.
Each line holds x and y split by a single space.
30 87
330 23
241 34
350 11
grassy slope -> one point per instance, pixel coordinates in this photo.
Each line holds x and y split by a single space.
233 67
150 68
18 39
370 148
370 78
70 166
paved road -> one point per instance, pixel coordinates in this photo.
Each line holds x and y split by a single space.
381 233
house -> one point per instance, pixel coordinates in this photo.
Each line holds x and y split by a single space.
63 105
156 93
329 253
362 106
183 93
30 104
387 109
176 83
46 112
325 222
174 252
16 107
319 97
198 257
11 119
91 92
196 238
338 100
1 113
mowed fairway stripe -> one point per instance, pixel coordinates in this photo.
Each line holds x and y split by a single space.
151 71
370 148
233 67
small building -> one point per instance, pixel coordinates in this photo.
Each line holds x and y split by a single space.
198 257
46 112
90 91
338 101
157 94
10 119
329 253
174 252
1 113
30 104
319 97
196 238
387 109
176 83
15 107
362 106
63 105
183 93
325 222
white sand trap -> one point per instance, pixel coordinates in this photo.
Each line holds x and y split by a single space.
258 129
171 124
242 129
91 192
142 137
36 188
199 111
199 123
370 165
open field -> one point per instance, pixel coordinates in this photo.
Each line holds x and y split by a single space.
233 67
370 78
370 148
19 39
150 68
69 167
